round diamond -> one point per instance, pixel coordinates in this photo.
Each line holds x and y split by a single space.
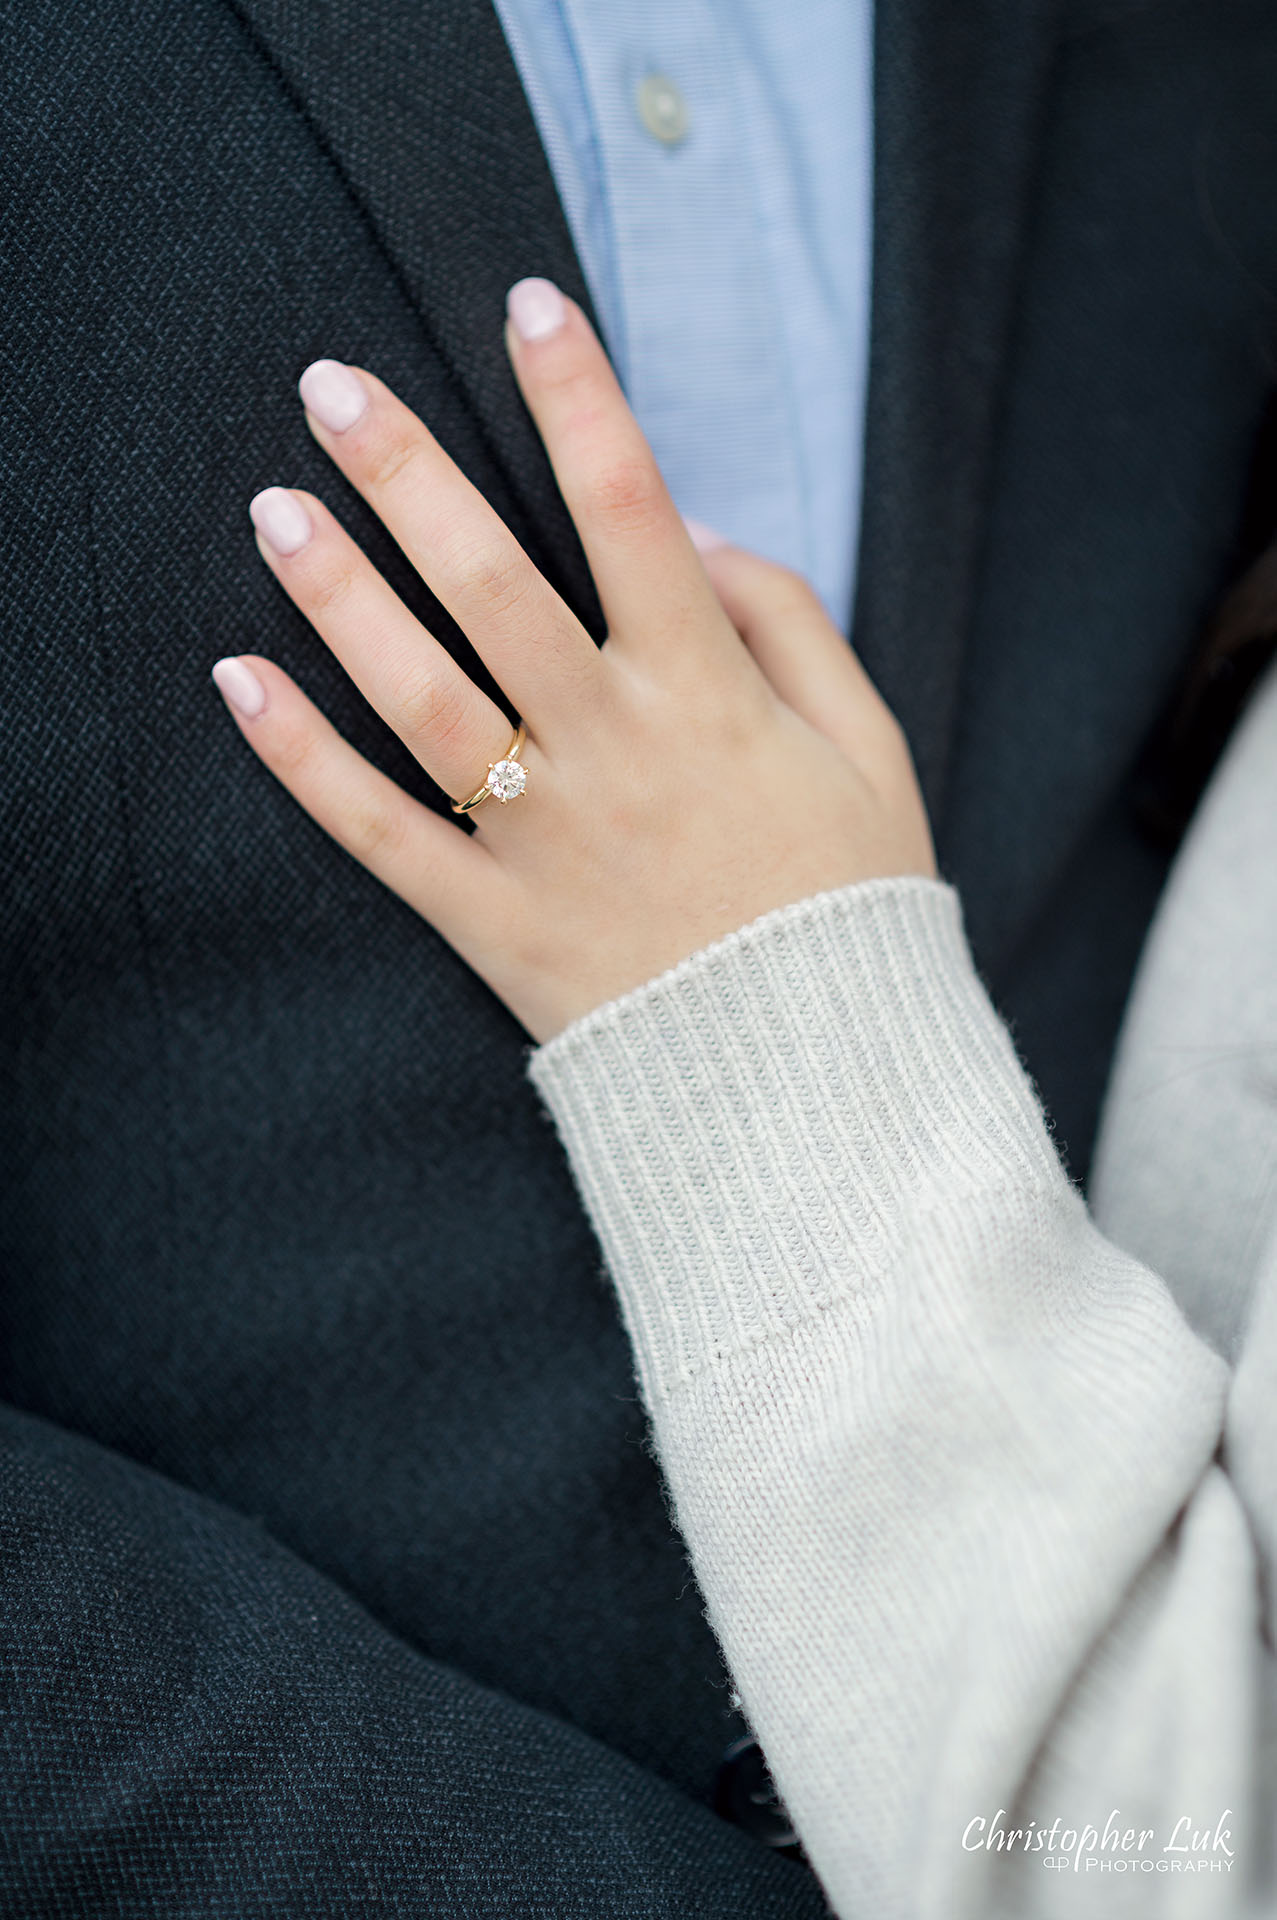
507 780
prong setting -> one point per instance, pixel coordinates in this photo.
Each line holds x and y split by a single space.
506 780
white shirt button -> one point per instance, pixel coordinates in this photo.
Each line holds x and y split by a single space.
662 109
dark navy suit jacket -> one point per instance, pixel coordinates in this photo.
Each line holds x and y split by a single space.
336 1576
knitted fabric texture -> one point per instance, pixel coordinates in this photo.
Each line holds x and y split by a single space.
944 1454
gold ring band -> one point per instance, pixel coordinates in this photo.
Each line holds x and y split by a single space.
505 777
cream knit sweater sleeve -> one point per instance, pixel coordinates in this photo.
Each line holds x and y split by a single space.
947 1460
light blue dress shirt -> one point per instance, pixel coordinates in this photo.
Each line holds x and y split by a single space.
714 163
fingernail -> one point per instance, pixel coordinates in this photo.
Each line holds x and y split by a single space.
336 396
704 538
281 519
536 308
239 687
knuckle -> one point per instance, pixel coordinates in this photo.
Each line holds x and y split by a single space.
492 576
374 830
890 737
329 588
387 461
892 760
897 739
625 497
794 593
801 583
568 375
293 754
430 709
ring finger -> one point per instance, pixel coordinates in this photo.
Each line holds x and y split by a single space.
446 722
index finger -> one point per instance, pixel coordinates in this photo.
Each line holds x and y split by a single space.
648 573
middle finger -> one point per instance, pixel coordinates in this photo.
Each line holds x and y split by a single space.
536 648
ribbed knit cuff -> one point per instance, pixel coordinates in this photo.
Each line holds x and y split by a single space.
753 1130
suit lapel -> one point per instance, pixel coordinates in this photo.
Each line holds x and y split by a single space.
958 94
420 107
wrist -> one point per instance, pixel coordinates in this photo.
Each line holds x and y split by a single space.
800 1087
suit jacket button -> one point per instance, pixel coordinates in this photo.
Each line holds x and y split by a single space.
744 1794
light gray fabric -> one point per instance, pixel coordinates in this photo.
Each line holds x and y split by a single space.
980 1486
1186 1157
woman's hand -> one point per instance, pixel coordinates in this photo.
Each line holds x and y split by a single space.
723 753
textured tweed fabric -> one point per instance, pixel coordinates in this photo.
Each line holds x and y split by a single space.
306 1333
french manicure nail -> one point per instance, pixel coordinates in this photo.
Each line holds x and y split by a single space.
281 519
336 396
239 687
704 538
536 308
